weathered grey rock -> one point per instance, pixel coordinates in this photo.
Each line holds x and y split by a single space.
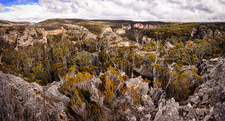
219 112
195 100
157 95
202 32
6 113
217 33
95 61
31 101
133 82
80 109
209 33
96 96
147 101
168 111
168 45
133 118
146 118
208 101
187 112
193 32
145 70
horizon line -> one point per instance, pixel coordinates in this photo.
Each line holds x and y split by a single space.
140 21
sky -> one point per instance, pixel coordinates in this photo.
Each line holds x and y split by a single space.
137 10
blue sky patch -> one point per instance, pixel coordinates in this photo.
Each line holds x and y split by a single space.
6 10
17 2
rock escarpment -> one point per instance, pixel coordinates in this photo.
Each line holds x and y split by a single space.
207 102
204 31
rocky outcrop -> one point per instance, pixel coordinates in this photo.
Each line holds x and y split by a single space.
135 110
30 101
217 33
203 31
78 31
210 95
145 70
168 111
6 112
207 102
120 31
111 37
146 40
28 35
168 45
144 26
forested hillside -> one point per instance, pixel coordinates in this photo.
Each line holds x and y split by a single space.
113 70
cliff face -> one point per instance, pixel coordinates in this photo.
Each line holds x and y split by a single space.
23 36
21 100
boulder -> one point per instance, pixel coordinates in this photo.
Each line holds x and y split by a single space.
7 112
144 70
80 109
30 101
217 33
168 111
193 32
168 45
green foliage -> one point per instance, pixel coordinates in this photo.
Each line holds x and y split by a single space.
115 25
60 69
136 97
41 74
82 60
150 57
77 95
96 29
103 59
87 45
181 82
11 57
130 35
62 50
110 81
184 53
9 69
94 109
76 36
220 42
72 58
168 30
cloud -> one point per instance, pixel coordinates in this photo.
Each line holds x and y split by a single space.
143 10
2 7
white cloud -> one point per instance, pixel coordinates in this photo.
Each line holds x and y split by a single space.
2 8
149 10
